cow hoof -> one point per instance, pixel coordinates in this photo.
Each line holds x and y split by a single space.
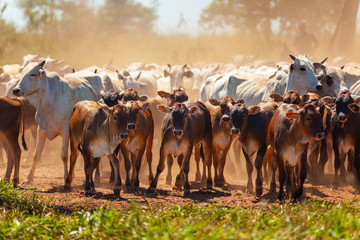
89 193
273 188
117 192
151 190
259 192
198 177
27 181
67 188
186 192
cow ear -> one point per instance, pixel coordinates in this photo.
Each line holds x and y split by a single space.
214 102
241 100
329 101
291 115
166 73
143 98
164 94
342 67
277 97
145 106
42 63
164 109
120 77
357 100
194 109
354 107
254 110
305 97
291 68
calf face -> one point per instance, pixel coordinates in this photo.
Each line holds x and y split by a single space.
226 103
30 80
342 101
239 115
134 109
118 118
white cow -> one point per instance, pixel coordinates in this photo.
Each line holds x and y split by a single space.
301 78
177 74
142 87
54 98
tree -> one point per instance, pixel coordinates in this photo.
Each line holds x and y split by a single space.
128 16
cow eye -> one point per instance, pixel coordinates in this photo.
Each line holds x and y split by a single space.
302 69
115 118
308 118
33 74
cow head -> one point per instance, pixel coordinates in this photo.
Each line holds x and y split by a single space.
342 102
291 97
134 109
225 104
176 74
239 116
129 81
118 120
309 120
302 76
178 95
31 79
112 97
179 117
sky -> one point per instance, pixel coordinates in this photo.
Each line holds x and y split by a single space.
169 12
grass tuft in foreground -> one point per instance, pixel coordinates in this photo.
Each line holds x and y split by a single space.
24 215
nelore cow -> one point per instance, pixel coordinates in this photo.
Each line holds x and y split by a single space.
140 128
12 121
250 127
54 98
290 131
185 125
96 130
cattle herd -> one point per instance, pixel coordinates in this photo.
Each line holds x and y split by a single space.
289 121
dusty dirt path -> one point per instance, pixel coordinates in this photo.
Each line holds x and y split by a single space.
48 183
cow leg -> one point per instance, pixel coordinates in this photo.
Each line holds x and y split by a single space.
208 163
116 152
64 152
1 153
159 169
236 149
127 163
273 163
222 163
95 164
136 159
289 178
185 167
97 175
170 162
249 168
351 166
197 160
216 163
115 163
180 177
10 159
313 158
149 143
88 172
342 178
282 176
40 142
323 157
32 143
258 165
302 176
336 163
73 156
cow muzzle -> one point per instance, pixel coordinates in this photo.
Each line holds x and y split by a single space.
319 136
131 126
123 135
178 133
342 118
226 118
17 92
318 87
235 131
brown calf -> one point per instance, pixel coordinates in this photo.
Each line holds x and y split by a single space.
140 128
11 118
96 130
289 134
221 135
185 126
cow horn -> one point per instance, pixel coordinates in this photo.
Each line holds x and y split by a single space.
324 60
292 57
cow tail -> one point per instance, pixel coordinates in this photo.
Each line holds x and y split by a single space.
23 124
202 152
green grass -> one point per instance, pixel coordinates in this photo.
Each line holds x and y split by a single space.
25 215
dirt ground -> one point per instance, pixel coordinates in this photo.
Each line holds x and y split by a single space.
48 183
